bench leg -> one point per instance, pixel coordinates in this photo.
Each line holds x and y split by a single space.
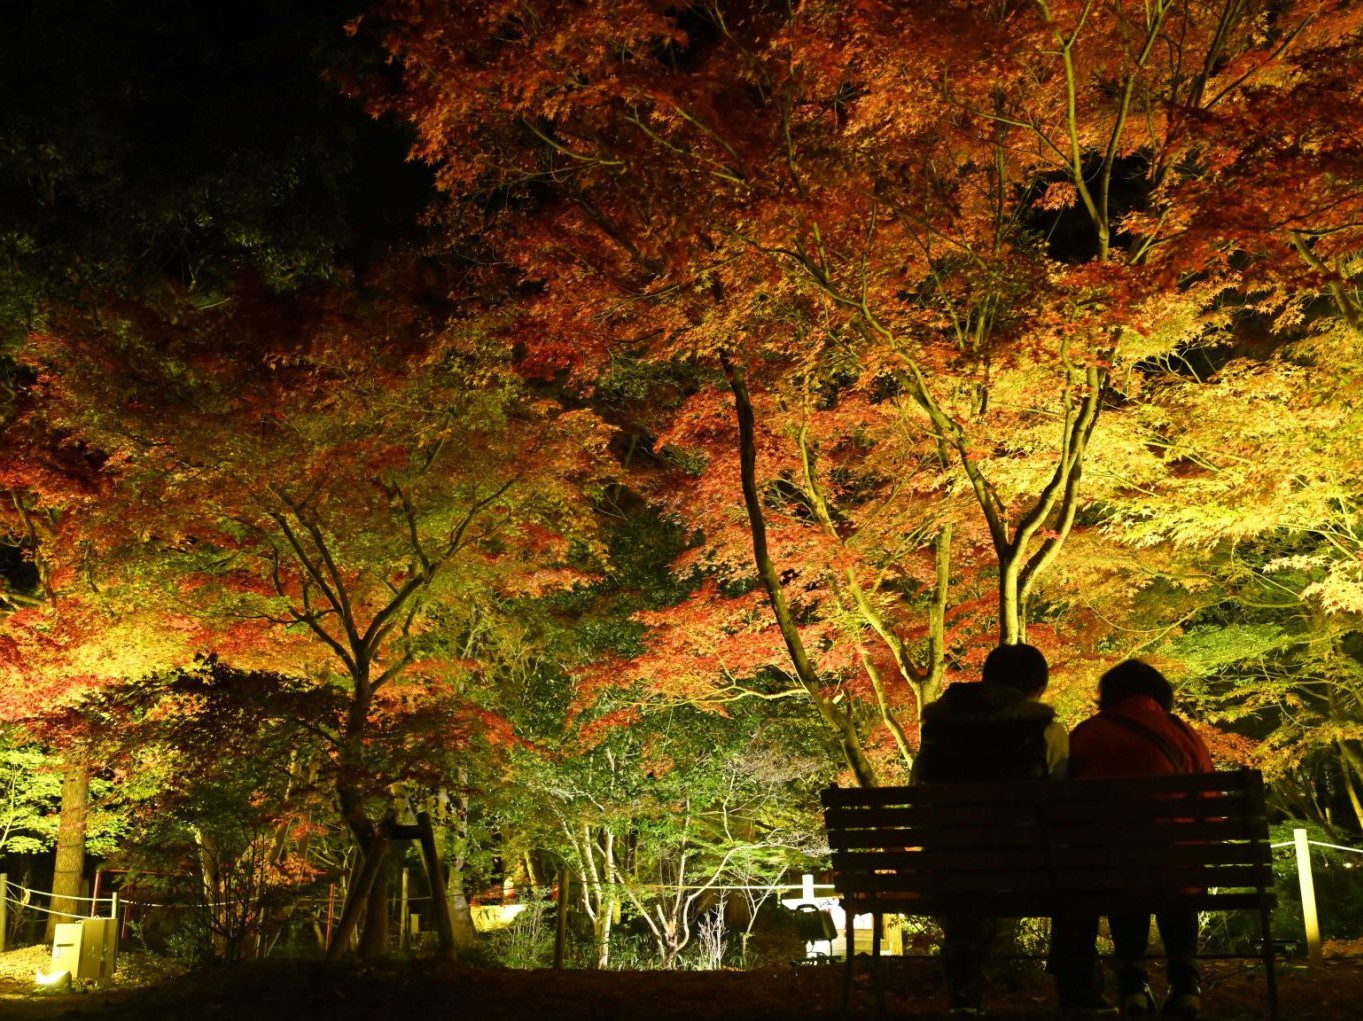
1270 973
849 956
877 920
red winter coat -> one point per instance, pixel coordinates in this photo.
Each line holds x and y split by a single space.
1101 747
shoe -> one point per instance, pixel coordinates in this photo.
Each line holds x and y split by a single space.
1138 1001
1185 1005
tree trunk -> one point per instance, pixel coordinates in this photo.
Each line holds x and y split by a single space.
374 931
596 858
601 936
455 820
217 904
1351 765
1012 624
368 865
461 914
917 679
70 863
834 716
367 907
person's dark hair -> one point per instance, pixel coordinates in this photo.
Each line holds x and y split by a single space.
1134 677
1020 667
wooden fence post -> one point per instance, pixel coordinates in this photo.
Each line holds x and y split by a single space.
404 914
1308 898
331 910
444 924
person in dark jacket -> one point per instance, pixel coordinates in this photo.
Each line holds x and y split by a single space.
992 730
1134 734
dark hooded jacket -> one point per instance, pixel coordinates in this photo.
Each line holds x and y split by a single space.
986 732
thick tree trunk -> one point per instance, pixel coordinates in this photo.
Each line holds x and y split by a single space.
366 897
1012 624
366 902
456 896
213 892
374 932
70 864
461 913
601 936
367 868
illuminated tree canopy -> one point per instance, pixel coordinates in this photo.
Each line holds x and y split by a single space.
513 376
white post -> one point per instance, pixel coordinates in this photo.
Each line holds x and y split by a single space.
1308 897
404 917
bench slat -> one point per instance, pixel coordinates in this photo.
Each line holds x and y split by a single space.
1094 878
1126 834
1152 809
1041 857
1102 834
1044 905
995 813
1008 813
956 836
1029 791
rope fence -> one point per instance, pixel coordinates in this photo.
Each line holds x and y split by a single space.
1317 843
23 899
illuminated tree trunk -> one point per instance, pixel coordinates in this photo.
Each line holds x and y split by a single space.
834 716
597 882
461 912
70 860
1022 559
1351 766
456 896
923 678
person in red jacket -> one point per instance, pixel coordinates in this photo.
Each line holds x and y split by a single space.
1133 734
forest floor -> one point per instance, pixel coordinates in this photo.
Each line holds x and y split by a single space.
417 991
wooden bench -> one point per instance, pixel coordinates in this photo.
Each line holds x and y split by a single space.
1031 848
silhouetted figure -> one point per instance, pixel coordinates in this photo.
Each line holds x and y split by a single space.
993 730
1133 734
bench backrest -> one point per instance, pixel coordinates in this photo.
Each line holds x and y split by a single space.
1028 848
